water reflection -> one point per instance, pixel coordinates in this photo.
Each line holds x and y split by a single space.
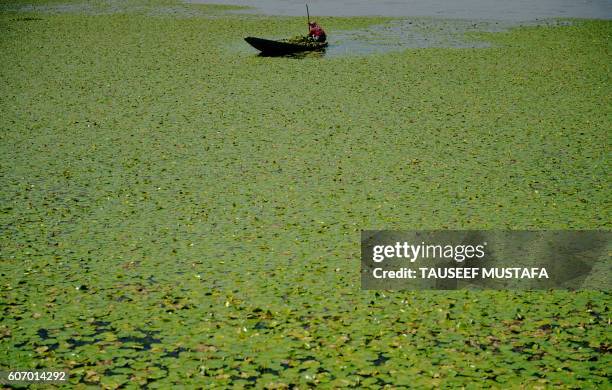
299 55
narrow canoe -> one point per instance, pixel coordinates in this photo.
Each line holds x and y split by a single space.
269 47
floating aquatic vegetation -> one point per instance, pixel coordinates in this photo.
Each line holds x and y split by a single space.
174 212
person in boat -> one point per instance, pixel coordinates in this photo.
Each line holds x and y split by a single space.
316 32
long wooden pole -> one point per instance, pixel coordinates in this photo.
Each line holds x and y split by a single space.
308 14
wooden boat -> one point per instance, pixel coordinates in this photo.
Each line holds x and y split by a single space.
270 47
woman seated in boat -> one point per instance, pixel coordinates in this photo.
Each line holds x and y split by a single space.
316 32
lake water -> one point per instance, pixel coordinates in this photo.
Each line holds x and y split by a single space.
510 10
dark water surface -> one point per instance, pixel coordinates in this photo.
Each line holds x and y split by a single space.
514 10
